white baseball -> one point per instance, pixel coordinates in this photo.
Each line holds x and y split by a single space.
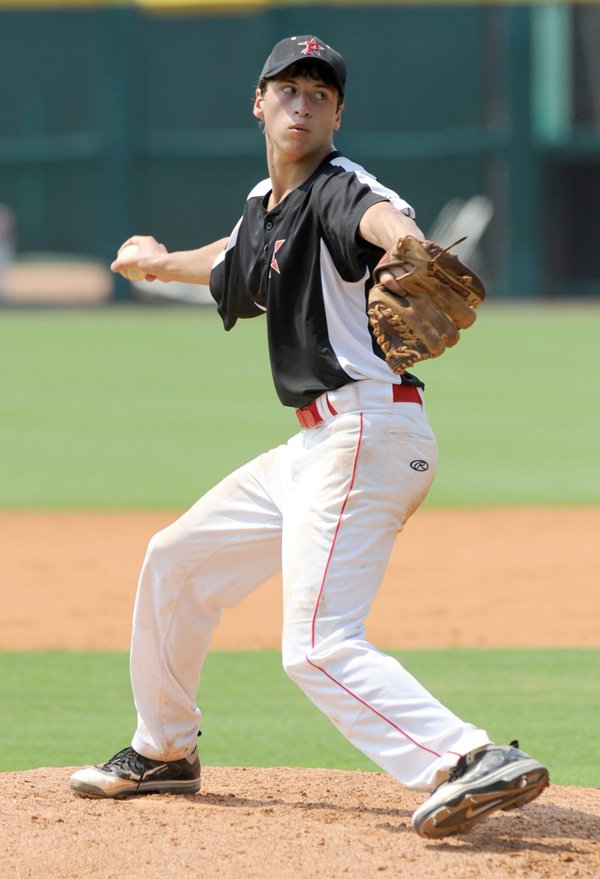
132 274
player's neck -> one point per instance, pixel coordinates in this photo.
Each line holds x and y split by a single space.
287 174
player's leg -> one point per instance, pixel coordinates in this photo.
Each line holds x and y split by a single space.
218 552
225 546
336 544
355 491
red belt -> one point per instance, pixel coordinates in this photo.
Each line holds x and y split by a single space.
310 416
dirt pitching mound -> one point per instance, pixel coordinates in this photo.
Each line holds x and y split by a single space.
283 823
72 578
455 579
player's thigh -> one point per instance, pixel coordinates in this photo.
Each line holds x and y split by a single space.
229 541
360 481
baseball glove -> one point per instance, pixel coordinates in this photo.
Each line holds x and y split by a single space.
437 297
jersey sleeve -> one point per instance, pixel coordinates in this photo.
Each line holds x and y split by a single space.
229 283
237 275
340 206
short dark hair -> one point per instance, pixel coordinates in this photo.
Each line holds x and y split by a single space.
310 68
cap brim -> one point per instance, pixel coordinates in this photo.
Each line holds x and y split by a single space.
273 71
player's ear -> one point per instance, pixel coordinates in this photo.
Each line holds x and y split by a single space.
257 109
338 118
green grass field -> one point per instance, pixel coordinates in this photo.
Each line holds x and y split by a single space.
147 407
75 708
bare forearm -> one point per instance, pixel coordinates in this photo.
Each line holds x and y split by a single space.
188 266
382 225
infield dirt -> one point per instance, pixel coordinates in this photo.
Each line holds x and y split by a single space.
456 578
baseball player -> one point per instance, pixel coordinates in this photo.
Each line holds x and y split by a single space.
325 508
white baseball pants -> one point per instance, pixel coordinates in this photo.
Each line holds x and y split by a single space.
324 509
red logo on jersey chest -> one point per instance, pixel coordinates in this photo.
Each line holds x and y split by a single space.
312 47
274 264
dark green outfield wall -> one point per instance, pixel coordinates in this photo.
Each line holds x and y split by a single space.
116 119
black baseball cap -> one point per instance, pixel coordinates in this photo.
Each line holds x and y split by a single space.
305 48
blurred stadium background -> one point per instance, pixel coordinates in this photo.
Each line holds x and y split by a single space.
122 117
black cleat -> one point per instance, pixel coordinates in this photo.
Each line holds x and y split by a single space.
483 781
129 774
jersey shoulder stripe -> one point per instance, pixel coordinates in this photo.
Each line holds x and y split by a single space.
374 185
260 189
230 244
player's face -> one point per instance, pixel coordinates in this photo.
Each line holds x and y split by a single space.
300 115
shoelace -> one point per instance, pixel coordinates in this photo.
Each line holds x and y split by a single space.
461 766
458 770
129 759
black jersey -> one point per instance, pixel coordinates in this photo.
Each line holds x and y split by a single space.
306 266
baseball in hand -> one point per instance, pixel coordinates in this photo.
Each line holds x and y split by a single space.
133 273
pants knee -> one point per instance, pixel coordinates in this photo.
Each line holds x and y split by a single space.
161 553
313 671
295 660
302 663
